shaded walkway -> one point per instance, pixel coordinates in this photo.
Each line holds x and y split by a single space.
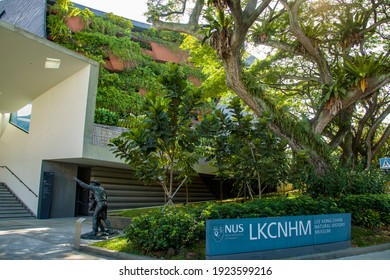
50 239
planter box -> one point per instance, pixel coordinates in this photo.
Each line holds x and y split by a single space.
165 54
116 64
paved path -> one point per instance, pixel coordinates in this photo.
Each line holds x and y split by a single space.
381 255
51 239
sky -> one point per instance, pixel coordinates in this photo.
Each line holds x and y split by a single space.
131 9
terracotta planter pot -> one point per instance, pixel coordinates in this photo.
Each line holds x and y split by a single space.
76 24
114 63
162 53
195 81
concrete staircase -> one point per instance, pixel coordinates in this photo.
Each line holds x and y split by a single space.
11 207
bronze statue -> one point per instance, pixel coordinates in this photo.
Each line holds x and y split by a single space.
99 206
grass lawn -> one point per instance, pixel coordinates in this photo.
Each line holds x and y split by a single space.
120 244
362 237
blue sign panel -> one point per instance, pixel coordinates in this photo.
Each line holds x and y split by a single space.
232 236
331 228
384 163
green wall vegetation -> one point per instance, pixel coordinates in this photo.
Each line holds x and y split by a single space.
102 37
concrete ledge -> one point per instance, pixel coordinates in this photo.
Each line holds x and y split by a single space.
112 254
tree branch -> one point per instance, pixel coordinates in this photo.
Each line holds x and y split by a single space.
324 116
196 13
373 129
306 42
385 137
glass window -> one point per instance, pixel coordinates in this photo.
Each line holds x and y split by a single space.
21 118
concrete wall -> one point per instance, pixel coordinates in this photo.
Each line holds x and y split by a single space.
4 119
64 188
57 131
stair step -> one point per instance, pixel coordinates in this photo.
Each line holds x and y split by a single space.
14 211
10 203
16 216
9 199
5 195
11 207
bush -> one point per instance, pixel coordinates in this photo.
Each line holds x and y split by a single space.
105 116
185 227
160 231
275 207
342 181
367 210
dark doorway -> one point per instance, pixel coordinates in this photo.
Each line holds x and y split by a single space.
82 195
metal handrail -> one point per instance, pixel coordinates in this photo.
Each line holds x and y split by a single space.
19 180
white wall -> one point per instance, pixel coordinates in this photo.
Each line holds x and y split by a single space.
4 119
56 132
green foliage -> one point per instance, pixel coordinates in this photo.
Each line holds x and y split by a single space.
169 38
116 92
161 231
349 26
65 8
362 67
59 31
155 231
367 210
306 79
342 181
107 117
243 149
162 148
112 35
59 13
98 45
113 25
204 57
269 207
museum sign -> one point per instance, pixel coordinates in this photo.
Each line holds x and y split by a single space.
238 236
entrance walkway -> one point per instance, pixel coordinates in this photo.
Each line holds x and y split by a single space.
49 239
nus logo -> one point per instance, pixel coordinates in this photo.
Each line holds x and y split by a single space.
220 232
237 228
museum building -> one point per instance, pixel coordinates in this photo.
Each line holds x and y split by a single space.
47 129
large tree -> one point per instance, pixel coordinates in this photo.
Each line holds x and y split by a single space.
322 81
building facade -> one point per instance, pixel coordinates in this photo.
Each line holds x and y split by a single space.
38 164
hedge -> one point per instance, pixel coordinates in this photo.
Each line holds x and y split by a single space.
185 227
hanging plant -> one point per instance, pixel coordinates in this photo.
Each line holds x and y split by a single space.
219 30
262 32
350 27
363 67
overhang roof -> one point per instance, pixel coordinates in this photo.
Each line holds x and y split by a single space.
23 76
